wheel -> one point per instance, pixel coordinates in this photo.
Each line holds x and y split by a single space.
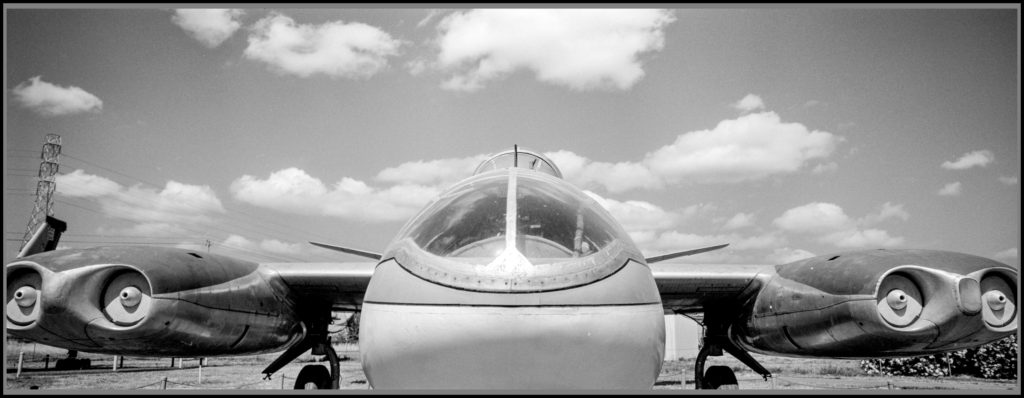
720 378
313 377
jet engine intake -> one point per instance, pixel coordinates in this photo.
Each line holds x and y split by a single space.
883 310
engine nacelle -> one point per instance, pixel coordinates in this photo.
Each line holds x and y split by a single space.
881 303
149 302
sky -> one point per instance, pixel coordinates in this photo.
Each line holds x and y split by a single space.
786 132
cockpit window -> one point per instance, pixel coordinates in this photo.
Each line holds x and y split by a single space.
551 221
465 218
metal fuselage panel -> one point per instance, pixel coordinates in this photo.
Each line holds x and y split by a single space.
609 334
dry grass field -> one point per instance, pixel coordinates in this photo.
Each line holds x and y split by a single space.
243 373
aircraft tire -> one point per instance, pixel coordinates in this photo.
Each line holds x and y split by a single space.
313 377
720 378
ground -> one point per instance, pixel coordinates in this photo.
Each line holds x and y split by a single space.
243 372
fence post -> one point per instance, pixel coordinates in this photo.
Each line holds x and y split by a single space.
181 363
164 387
115 363
200 371
172 362
46 365
120 361
21 359
888 384
282 382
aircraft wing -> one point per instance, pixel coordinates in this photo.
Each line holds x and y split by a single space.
690 288
342 285
889 302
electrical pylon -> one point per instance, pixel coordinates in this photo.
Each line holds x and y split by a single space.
47 184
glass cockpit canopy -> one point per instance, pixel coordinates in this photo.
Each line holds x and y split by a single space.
513 227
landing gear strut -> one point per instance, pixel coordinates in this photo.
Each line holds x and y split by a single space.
721 377
312 376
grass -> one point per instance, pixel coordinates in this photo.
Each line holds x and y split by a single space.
243 372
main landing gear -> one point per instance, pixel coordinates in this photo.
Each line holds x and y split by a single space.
721 377
312 377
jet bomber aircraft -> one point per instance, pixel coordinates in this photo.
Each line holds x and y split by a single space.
511 279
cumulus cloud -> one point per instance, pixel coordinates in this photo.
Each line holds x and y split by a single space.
1011 180
48 99
293 190
579 48
740 220
637 216
440 171
155 212
825 168
239 242
749 103
79 184
335 49
210 26
976 158
615 177
951 189
786 255
750 147
829 224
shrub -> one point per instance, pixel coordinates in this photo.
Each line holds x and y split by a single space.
996 360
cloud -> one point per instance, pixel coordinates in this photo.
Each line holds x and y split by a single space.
1008 254
208 25
750 147
637 216
51 100
293 190
156 212
786 255
813 218
582 49
829 224
440 172
1011 180
335 49
615 177
951 189
79 184
977 158
245 247
749 103
825 168
887 211
740 220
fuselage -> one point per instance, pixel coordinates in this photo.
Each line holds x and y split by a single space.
512 279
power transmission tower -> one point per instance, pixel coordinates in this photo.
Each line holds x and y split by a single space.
47 184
